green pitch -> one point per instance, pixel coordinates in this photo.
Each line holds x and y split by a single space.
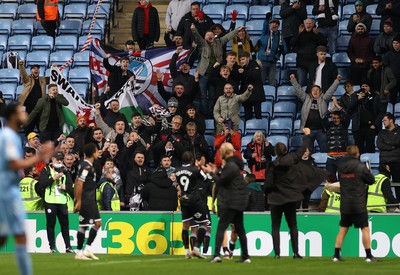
59 264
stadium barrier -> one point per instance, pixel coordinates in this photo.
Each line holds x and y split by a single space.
152 233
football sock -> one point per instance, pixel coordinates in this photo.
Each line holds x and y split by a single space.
337 252
206 243
200 235
81 237
23 259
92 235
225 249
193 240
368 252
185 238
231 246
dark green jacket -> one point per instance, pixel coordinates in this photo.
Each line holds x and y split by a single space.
42 109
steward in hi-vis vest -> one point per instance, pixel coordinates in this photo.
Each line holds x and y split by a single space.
32 201
47 14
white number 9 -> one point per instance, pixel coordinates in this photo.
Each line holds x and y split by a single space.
184 181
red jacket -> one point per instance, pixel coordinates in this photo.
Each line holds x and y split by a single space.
236 141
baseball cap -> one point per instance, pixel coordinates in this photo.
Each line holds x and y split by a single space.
32 135
58 156
274 21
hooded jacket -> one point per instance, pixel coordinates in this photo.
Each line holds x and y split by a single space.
353 177
232 192
175 11
160 192
383 43
365 18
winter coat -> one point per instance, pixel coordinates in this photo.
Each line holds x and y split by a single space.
329 16
229 108
205 49
252 75
160 193
292 18
175 11
355 107
336 135
232 192
392 14
82 136
304 45
307 100
256 197
278 44
196 146
109 116
365 18
392 60
353 177
42 109
109 132
29 82
198 120
116 79
309 175
383 43
137 175
389 145
145 132
258 167
235 139
360 46
178 77
281 184
185 31
328 76
388 82
138 22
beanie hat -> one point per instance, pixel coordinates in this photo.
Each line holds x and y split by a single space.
359 3
173 102
361 25
396 38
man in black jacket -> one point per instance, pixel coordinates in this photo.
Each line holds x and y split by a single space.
183 75
353 177
110 113
283 192
82 133
293 14
145 25
119 75
323 72
232 200
389 148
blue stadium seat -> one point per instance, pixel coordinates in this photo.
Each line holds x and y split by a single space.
9 75
60 57
397 110
75 11
80 74
389 108
70 27
340 91
42 42
242 127
8 11
372 157
19 42
81 89
37 57
247 2
19 90
284 109
276 12
320 159
254 27
343 28
5 26
253 125
39 29
258 12
342 43
270 92
9 90
290 60
227 24
210 141
22 26
82 40
104 11
347 11
309 9
371 9
281 126
295 142
66 42
397 121
215 11
375 27
27 11
81 59
341 60
286 93
296 127
246 140
345 73
98 28
210 128
3 42
266 109
243 11
277 138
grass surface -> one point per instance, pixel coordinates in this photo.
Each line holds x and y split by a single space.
59 264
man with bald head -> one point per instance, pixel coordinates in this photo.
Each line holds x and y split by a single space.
304 44
232 200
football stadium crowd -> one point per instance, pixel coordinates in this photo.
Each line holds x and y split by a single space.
255 80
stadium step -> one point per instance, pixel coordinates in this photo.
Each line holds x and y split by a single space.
122 32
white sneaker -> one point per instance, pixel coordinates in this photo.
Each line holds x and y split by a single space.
197 253
82 257
90 254
216 260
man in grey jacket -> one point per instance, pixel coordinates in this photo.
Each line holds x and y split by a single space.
211 51
314 107
228 106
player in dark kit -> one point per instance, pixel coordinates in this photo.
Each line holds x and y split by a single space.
192 206
85 202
